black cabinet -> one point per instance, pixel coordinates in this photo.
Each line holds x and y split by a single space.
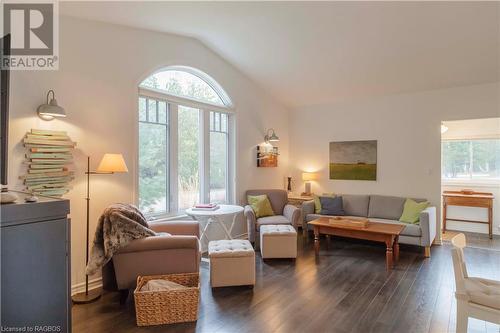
35 265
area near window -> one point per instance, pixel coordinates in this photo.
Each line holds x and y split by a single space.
185 133
471 159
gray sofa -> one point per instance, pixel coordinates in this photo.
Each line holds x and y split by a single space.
385 209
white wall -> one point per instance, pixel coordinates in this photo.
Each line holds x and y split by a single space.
407 128
100 68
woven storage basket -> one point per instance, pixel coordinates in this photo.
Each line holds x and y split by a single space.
169 306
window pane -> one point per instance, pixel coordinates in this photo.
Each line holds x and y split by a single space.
189 156
486 159
142 109
456 159
217 121
152 111
183 84
223 121
218 167
153 168
162 112
211 121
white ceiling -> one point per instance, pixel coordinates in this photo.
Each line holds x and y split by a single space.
316 53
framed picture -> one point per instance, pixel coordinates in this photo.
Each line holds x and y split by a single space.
267 157
353 160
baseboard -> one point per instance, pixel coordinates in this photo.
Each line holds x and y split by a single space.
80 287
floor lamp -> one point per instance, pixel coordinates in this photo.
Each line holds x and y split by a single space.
110 164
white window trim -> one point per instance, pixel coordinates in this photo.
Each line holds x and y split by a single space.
173 102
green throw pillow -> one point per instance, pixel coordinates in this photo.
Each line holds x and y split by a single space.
317 202
260 205
412 210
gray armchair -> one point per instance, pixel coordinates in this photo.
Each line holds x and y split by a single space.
284 213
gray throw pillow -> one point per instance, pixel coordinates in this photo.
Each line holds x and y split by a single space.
331 206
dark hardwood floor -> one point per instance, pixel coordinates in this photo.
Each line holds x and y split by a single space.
346 290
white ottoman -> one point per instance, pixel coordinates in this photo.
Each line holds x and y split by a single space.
278 241
232 263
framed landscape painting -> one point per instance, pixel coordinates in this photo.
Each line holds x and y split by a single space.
353 160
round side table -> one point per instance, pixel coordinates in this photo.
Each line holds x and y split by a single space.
217 217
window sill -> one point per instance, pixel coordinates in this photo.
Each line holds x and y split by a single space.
166 217
471 183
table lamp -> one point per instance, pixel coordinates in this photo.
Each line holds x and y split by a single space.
308 177
110 164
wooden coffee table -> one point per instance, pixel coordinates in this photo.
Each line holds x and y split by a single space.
374 231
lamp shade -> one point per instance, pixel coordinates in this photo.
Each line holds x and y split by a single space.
307 176
112 163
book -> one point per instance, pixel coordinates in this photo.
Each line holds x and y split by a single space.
206 209
209 205
47 132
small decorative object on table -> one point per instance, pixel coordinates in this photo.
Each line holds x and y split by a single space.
349 222
176 305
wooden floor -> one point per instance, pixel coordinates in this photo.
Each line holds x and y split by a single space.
347 290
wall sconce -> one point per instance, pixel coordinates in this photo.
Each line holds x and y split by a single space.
51 110
307 177
271 136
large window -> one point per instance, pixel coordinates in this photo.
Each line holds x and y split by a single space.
471 159
185 133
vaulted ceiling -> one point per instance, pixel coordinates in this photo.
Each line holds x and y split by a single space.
307 53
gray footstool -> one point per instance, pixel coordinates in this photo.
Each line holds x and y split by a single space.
278 241
232 263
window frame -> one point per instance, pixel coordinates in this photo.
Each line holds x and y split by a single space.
470 181
173 102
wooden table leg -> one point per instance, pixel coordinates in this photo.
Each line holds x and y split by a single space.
316 240
396 249
444 217
388 253
490 221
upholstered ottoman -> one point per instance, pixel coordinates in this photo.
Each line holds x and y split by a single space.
278 241
232 263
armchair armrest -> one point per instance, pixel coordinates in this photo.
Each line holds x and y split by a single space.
177 227
251 222
292 214
428 224
308 207
156 243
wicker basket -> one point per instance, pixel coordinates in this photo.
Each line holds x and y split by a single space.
169 306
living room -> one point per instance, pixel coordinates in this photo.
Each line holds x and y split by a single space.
168 105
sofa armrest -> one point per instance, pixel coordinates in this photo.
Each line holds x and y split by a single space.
308 208
428 224
251 222
156 243
292 214
177 227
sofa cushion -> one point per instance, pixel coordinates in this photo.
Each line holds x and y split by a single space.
261 205
413 230
278 198
276 219
412 210
386 207
356 205
331 206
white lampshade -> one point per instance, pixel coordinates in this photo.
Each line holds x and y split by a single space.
112 163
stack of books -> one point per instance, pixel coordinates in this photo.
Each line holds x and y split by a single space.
49 153
206 207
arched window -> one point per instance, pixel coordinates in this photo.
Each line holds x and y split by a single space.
185 141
